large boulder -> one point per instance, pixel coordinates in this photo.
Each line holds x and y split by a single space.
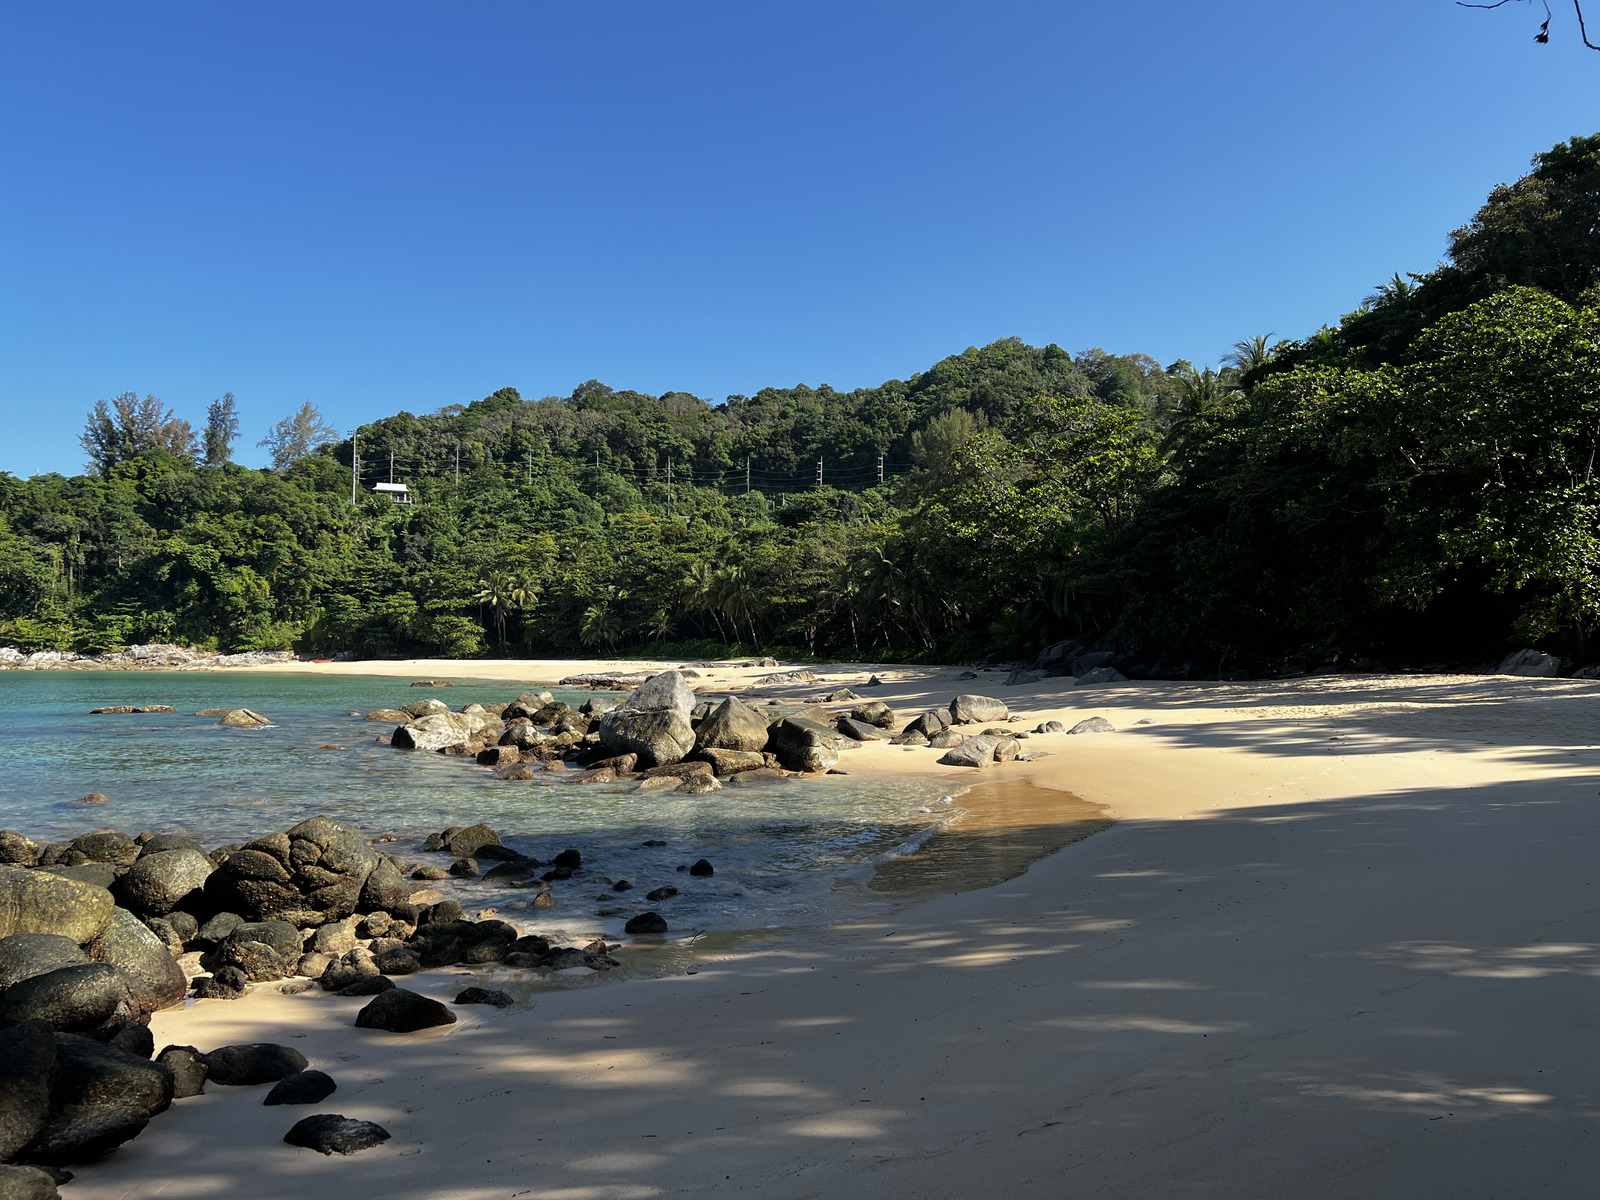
89 997
188 1067
429 707
926 724
27 1060
385 887
311 875
732 725
666 691
400 1011
100 1097
27 1183
732 762
463 843
24 955
1530 664
440 731
160 882
162 842
655 737
974 752
243 718
874 712
803 745
102 846
158 981
860 730
34 901
965 710
251 1063
17 849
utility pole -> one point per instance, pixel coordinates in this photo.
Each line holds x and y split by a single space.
354 459
458 467
747 476
819 471
391 466
669 485
880 468
530 468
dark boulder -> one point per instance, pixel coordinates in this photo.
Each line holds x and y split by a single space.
656 895
251 1063
330 1133
225 983
27 1060
18 850
309 876
219 927
160 882
384 888
163 842
158 981
646 923
465 843
732 725
103 846
100 1097
24 955
569 858
188 1067
303 1087
136 1040
367 985
732 762
702 866
38 902
803 745
87 997
259 962
400 1011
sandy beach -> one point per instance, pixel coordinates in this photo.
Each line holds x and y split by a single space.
1342 941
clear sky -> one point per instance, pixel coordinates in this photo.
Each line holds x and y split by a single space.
377 206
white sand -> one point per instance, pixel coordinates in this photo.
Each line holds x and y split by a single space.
1298 967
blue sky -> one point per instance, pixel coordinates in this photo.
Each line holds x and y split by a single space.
398 205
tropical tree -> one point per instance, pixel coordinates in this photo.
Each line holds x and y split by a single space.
222 426
127 427
294 437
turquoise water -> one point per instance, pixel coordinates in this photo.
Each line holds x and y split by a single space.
786 854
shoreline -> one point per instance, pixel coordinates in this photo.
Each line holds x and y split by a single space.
1287 854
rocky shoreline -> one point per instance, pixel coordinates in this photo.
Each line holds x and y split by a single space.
157 656
99 932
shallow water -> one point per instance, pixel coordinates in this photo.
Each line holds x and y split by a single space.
795 853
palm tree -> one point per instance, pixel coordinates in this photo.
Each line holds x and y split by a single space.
1250 354
697 592
505 593
1202 394
602 622
1396 288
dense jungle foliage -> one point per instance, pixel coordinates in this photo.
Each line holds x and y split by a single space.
1416 484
